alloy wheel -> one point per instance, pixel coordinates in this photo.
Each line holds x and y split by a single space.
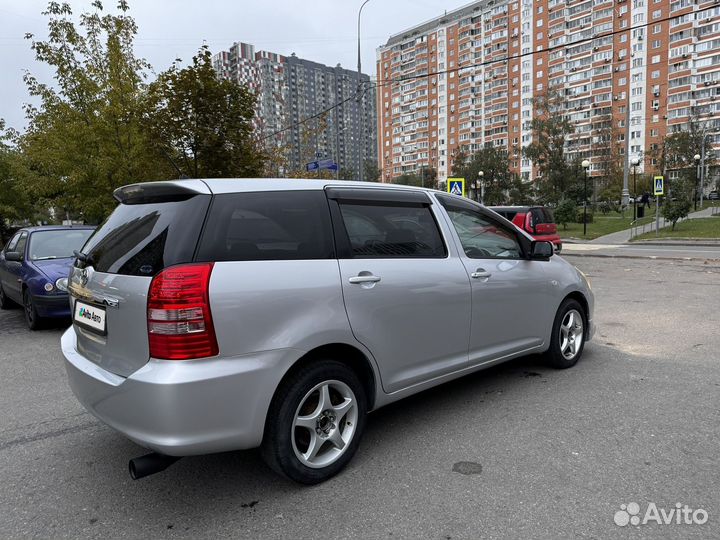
571 334
324 424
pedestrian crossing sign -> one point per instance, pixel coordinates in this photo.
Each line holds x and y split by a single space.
659 182
456 186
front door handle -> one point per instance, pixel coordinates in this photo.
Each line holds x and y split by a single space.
364 279
480 273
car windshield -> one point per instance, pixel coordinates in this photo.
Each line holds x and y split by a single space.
57 244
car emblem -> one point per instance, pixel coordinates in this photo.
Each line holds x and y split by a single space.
84 277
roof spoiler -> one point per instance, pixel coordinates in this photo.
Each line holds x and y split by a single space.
158 192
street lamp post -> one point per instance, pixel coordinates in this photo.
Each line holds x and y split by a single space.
361 153
585 165
635 163
697 158
478 197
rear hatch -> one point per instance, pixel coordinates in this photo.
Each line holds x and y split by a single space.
155 226
542 221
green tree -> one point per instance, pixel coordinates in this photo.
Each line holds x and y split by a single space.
408 179
551 128
203 124
86 137
566 212
14 201
497 179
675 210
371 172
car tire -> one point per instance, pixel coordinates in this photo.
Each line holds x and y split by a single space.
568 335
305 440
5 302
33 320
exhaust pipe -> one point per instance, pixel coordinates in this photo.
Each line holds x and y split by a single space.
152 463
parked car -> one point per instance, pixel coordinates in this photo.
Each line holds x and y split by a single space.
537 221
219 315
31 265
713 196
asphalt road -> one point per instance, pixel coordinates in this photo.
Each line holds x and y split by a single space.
555 453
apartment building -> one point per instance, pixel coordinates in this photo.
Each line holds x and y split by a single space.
291 90
635 69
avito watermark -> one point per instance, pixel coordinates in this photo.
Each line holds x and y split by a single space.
680 514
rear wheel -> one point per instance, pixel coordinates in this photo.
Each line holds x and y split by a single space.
32 318
5 302
568 335
315 422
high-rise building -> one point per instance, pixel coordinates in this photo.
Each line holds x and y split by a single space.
309 109
635 69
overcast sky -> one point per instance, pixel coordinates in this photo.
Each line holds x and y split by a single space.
320 30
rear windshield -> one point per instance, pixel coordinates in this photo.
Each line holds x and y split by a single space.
280 225
542 215
142 239
58 244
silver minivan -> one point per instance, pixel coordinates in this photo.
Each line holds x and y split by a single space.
214 315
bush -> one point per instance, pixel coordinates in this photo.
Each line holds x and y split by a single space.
565 212
674 211
579 215
606 207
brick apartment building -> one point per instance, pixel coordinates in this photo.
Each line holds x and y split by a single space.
290 90
643 83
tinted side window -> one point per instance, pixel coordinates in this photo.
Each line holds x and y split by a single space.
12 243
280 225
389 230
22 242
481 236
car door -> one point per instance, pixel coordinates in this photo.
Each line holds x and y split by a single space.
511 295
14 271
5 276
406 295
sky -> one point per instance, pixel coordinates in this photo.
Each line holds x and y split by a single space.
321 30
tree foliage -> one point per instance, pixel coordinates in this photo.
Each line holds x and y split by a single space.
201 123
99 125
551 128
86 137
497 179
566 212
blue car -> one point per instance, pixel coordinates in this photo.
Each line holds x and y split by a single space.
32 265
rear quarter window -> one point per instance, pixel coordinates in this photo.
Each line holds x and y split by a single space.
280 225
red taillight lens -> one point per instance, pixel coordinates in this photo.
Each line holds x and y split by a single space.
180 324
546 228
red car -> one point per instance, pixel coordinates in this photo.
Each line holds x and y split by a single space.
537 221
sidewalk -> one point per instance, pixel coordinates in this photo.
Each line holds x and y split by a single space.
623 237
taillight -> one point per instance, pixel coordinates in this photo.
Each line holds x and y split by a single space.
529 222
180 324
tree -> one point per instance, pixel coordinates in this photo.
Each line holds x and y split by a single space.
408 179
493 162
550 129
86 137
14 201
566 212
675 210
371 172
202 123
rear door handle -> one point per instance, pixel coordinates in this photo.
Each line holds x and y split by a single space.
364 279
480 273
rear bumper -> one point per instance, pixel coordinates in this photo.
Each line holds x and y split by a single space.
182 408
57 305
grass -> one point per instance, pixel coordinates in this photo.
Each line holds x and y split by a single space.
614 222
604 224
689 228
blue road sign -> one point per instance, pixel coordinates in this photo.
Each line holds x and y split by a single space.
312 166
456 186
659 185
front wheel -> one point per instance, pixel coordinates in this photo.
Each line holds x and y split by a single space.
315 422
33 320
568 335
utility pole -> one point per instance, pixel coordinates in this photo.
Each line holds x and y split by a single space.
361 102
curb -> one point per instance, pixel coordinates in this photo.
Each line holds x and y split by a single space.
646 257
684 242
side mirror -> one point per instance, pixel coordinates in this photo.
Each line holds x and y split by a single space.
13 256
541 251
